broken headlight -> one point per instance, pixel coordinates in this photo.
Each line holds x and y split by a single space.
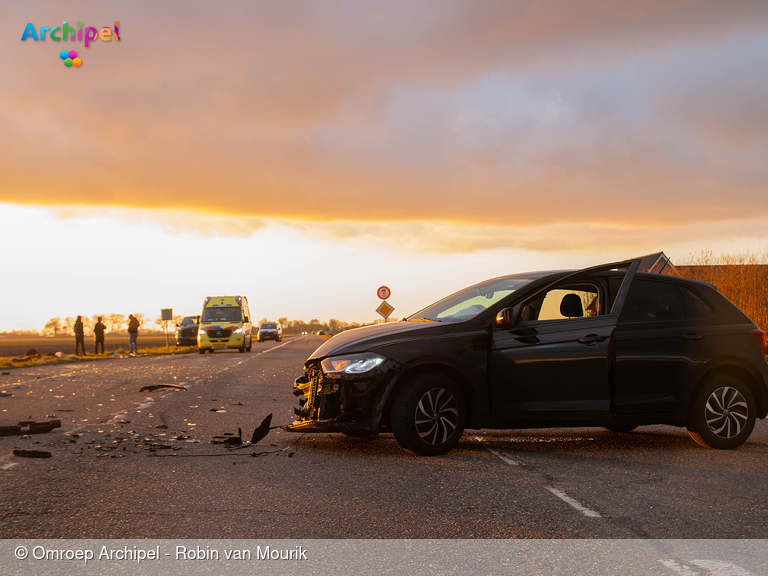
352 363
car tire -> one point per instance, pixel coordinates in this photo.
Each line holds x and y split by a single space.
241 349
428 415
722 413
620 428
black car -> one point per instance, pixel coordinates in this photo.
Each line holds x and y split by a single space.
605 346
186 332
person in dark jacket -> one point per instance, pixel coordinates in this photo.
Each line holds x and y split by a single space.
133 333
98 335
79 337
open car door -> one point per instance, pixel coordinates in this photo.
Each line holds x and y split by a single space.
551 352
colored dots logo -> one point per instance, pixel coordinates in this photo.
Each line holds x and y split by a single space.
70 58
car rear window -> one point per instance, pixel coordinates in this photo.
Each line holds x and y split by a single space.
269 325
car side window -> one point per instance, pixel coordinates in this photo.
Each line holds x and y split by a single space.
564 302
651 300
695 306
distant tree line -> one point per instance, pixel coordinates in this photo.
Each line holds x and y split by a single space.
116 323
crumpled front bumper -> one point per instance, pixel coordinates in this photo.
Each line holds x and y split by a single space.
342 403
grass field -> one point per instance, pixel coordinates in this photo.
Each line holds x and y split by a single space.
46 347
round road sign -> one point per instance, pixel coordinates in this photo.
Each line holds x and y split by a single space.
383 292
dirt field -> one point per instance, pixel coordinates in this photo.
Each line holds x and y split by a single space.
11 347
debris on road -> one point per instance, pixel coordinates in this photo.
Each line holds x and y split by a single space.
32 453
29 427
5 394
154 387
262 430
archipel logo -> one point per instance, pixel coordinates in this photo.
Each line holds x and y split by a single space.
68 33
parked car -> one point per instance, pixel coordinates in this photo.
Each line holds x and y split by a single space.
186 332
604 346
270 331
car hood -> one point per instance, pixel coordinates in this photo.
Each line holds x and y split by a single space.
370 337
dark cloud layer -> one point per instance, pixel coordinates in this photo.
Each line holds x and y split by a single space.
591 113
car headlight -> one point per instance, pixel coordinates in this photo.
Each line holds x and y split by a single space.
352 364
238 331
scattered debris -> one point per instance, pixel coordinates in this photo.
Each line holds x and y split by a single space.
6 373
238 404
158 386
58 354
229 438
218 410
29 427
162 426
31 352
32 453
262 430
5 394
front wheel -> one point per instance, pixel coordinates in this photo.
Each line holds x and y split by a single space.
201 350
722 413
428 415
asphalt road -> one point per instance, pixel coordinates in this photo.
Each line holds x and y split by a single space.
131 464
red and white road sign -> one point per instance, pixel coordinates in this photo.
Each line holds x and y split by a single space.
384 292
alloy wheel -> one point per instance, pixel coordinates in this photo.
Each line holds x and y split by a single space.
437 416
726 412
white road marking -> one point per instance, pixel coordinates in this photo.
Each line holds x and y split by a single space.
7 466
39 379
713 567
719 568
679 569
559 493
504 456
573 502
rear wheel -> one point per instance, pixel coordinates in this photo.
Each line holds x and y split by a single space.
428 415
722 413
201 350
621 428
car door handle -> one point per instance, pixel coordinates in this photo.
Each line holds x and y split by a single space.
591 339
693 336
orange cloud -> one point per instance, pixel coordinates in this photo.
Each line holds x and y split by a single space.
595 113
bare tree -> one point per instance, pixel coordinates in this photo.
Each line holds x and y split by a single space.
53 325
116 322
69 325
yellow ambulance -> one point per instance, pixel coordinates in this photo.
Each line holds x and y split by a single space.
225 323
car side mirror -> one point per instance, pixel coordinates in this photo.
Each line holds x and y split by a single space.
509 316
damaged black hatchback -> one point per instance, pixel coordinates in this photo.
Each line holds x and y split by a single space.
605 346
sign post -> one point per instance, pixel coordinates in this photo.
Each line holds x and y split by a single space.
166 314
385 308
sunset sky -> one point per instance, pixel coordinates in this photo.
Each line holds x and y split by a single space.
305 153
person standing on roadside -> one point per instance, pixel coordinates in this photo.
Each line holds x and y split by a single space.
79 337
133 333
98 335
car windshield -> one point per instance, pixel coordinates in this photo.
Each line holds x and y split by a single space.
471 301
268 325
188 320
222 314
